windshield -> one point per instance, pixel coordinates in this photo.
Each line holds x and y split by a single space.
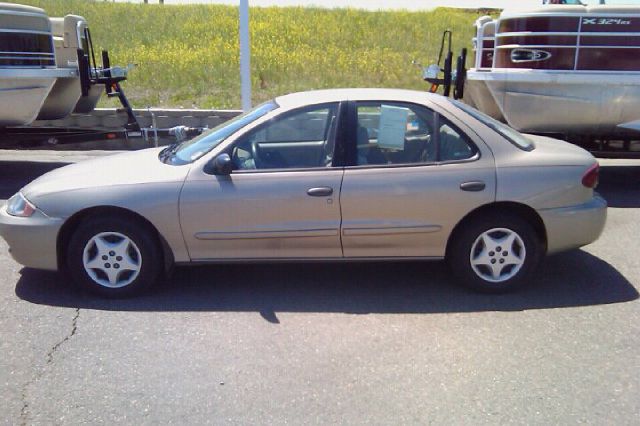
513 136
195 148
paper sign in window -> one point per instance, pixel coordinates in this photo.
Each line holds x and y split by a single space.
393 127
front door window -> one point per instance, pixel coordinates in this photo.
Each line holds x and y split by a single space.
302 138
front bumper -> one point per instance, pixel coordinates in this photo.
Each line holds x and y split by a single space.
575 226
32 240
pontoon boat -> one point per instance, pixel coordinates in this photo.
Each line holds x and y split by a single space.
28 68
573 70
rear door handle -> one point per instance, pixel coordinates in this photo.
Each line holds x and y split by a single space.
473 186
321 191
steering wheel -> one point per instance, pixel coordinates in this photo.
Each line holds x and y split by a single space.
255 154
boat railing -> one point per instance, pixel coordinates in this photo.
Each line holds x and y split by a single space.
484 42
596 40
24 48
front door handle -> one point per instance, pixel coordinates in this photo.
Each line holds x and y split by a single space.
473 186
321 191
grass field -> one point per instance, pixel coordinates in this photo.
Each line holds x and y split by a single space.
187 56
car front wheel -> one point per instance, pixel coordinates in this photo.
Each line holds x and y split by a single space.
113 257
495 253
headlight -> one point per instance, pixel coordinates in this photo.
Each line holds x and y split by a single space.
20 206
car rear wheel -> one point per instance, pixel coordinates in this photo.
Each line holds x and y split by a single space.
494 253
114 257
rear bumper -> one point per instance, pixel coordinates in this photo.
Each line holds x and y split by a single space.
575 226
32 240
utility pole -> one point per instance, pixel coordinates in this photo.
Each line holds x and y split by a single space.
245 56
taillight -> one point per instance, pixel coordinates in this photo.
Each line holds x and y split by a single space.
591 176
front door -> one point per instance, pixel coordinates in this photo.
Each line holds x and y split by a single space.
281 200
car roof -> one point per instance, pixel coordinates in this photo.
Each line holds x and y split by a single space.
363 94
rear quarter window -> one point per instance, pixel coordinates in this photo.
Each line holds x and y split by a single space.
516 138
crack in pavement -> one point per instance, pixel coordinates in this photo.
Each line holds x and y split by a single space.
49 357
74 328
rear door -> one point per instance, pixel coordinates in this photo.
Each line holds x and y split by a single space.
412 175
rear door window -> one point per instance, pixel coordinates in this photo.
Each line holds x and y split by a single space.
394 133
454 145
390 133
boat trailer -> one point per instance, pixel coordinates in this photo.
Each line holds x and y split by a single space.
15 137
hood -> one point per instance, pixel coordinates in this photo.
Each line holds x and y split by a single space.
129 168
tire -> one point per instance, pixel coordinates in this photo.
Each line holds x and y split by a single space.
494 253
114 257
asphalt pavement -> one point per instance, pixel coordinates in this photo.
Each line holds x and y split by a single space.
394 343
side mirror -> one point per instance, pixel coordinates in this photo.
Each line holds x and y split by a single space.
221 165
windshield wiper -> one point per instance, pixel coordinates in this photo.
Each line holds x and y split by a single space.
169 151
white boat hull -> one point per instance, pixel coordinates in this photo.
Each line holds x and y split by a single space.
88 103
542 101
23 93
62 99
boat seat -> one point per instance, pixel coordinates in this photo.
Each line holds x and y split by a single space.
66 41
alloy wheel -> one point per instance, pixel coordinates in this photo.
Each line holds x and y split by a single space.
497 255
112 259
